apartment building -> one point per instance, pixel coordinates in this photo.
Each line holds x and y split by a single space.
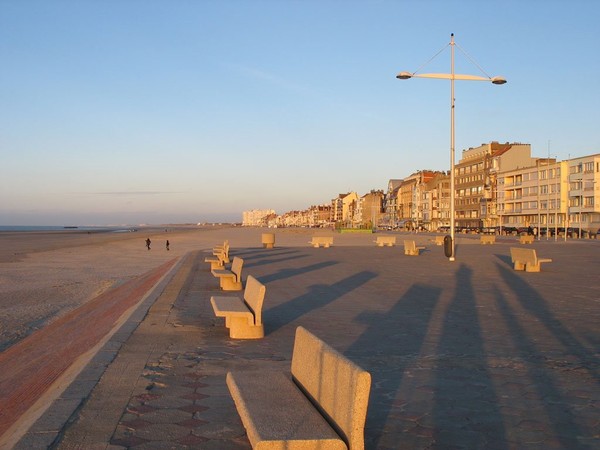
390 203
475 178
534 196
552 194
583 195
257 217
370 209
435 202
343 208
411 194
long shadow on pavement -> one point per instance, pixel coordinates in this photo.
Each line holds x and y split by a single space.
535 304
545 385
466 412
388 349
318 296
288 273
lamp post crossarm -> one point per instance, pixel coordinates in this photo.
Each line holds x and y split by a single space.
449 76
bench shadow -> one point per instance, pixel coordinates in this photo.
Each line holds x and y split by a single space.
260 253
318 296
506 259
459 415
546 386
388 349
272 260
288 273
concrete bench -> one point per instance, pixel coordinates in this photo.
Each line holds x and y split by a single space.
224 246
410 248
218 260
243 316
526 239
230 280
268 240
324 241
322 404
526 259
390 241
487 239
439 240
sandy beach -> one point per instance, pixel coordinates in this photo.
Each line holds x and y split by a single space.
44 275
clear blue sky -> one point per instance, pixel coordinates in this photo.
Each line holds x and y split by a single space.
129 112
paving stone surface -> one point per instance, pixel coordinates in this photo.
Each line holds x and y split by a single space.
463 355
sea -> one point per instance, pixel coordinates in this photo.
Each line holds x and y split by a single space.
41 228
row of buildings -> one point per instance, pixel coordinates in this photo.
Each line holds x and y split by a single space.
496 185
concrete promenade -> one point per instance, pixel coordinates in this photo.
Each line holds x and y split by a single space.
463 355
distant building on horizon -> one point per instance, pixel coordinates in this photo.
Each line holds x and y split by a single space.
257 217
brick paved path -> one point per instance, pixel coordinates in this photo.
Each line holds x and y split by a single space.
33 366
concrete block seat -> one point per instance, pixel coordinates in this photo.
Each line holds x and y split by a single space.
268 240
410 248
526 259
439 240
526 239
230 280
321 404
318 241
220 256
388 240
220 247
487 239
243 316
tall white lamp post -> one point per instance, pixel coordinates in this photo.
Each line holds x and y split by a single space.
451 76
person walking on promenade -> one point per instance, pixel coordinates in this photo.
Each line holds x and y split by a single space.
148 242
167 244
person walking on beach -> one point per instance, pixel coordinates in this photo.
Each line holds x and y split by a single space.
167 244
148 242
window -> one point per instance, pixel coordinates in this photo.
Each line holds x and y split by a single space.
589 166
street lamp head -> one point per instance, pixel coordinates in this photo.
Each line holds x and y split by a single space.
499 80
404 75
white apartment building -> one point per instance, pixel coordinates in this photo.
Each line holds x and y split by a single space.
256 217
584 193
552 194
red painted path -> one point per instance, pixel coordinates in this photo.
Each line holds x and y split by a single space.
30 367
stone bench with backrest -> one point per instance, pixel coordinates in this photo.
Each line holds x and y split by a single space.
487 239
243 316
410 248
439 240
390 241
526 239
224 246
321 404
526 259
318 241
268 240
218 260
230 280
220 256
